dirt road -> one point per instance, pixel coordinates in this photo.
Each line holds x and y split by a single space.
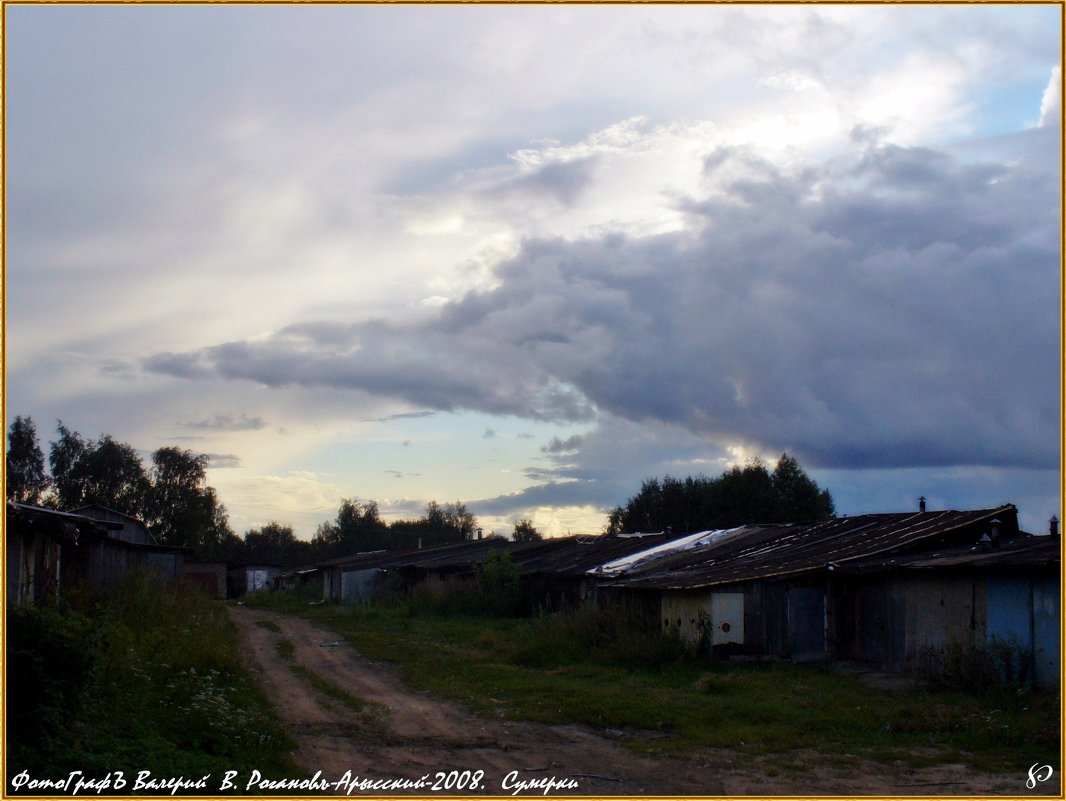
350 715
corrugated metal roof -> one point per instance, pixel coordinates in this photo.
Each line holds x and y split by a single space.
564 556
576 556
1024 550
454 554
74 524
663 550
770 551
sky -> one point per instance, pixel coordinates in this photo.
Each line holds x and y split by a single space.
525 257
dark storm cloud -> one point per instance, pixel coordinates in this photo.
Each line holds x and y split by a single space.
436 368
895 309
178 365
612 460
568 445
552 493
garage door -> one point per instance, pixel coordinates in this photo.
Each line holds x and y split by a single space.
727 617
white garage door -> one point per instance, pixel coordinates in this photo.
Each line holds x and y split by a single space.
727 617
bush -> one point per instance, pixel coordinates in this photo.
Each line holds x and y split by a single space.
494 592
498 591
141 677
615 636
51 660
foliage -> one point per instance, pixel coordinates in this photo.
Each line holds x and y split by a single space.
453 520
103 472
497 582
142 677
26 477
358 528
181 509
799 498
752 494
525 531
172 499
969 667
439 525
50 659
618 636
274 544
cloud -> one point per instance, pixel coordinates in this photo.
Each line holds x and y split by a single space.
567 445
591 223
221 461
552 493
303 498
402 508
446 370
401 416
792 80
225 422
1051 102
604 467
832 310
177 365
563 180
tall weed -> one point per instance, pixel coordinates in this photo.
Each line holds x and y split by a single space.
614 636
143 676
963 665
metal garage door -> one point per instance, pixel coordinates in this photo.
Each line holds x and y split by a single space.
727 617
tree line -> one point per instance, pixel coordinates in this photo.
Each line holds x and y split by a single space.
172 497
741 495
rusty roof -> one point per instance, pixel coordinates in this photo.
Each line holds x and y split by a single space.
451 555
571 556
788 550
1024 550
575 556
73 525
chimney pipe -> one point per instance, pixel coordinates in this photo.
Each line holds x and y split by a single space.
921 504
1053 526
995 524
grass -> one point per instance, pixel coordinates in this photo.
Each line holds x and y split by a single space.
597 668
142 677
286 650
330 689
